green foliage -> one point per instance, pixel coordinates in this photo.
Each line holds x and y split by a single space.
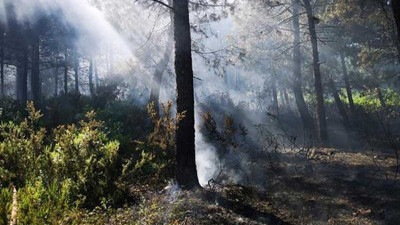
157 154
21 149
85 156
39 204
5 205
75 168
369 101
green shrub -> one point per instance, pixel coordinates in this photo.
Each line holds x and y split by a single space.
85 156
157 153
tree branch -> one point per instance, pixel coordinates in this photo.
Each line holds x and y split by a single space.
163 4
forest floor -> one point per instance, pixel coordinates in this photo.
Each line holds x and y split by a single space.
335 186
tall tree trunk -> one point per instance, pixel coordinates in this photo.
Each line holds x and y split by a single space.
35 74
186 171
378 89
24 80
56 81
22 76
275 104
160 69
2 62
76 71
396 14
339 103
66 71
14 210
91 85
306 118
381 98
96 74
286 97
347 84
323 132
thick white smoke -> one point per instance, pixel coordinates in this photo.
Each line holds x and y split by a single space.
94 32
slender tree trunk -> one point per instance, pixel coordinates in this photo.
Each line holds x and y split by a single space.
339 103
286 96
91 85
76 71
347 84
381 97
2 63
186 171
96 74
396 14
56 82
275 104
306 118
160 69
35 74
14 210
323 132
25 78
378 89
66 71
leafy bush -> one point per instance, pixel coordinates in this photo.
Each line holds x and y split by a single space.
85 156
157 153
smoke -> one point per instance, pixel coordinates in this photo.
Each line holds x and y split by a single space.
94 32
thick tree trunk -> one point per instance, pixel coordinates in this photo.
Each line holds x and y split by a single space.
14 210
91 85
66 71
322 127
76 71
347 84
160 69
297 84
2 63
35 75
339 103
186 171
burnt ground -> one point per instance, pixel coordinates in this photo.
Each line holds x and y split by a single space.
334 186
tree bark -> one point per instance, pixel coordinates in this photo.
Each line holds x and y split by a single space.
35 75
76 71
322 126
56 81
96 74
275 104
347 84
66 71
160 69
286 96
91 85
22 76
306 118
339 103
396 14
186 171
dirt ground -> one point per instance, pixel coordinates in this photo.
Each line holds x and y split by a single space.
335 186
